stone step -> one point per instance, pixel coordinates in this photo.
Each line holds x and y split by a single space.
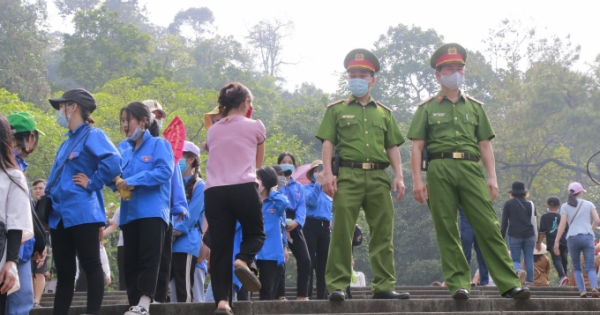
380 307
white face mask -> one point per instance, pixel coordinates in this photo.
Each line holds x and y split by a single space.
159 123
137 133
261 188
453 81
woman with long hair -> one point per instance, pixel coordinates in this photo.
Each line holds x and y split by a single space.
16 225
230 193
145 217
580 237
85 162
188 237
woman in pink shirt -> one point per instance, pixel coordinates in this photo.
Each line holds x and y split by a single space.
235 150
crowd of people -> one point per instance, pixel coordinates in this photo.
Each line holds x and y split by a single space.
238 222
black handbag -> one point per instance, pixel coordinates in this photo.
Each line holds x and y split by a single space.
39 233
43 207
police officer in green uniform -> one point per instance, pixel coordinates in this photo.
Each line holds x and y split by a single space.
366 136
456 133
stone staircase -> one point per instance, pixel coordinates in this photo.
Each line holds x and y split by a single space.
423 301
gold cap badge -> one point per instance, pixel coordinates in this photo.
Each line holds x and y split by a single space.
452 51
359 57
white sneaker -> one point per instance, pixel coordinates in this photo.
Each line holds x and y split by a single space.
563 282
137 310
522 275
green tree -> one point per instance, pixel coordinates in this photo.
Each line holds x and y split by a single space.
267 39
102 48
22 43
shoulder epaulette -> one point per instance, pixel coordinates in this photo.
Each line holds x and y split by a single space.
474 100
335 103
378 103
426 100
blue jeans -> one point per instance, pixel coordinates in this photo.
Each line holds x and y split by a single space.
21 301
583 243
526 245
468 240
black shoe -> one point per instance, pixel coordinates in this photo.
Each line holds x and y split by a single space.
390 295
517 293
337 296
461 294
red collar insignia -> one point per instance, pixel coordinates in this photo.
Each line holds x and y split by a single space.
146 158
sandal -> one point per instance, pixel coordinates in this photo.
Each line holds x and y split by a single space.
248 278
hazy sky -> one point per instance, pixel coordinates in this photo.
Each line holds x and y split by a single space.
325 31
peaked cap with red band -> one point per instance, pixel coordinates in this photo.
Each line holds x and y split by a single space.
448 53
361 59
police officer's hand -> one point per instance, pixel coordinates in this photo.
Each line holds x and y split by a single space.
398 186
329 184
420 191
492 185
81 180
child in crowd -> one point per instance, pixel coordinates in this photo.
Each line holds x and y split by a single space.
548 228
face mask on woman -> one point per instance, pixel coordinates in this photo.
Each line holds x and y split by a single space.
137 133
260 186
281 181
62 119
288 167
182 166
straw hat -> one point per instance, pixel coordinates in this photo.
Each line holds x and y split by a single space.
311 170
542 251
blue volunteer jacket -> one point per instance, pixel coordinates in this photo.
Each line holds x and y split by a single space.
295 194
273 207
99 160
318 204
149 168
190 239
178 201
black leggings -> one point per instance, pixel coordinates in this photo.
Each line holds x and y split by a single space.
143 242
121 267
81 240
267 274
560 261
280 288
303 264
317 236
224 206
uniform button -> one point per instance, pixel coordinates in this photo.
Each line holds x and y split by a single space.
367 159
366 132
456 142
367 144
438 122
455 118
457 132
348 123
365 119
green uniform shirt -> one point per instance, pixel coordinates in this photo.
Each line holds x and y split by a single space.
451 127
362 133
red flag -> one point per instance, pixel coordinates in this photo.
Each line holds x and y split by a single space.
175 134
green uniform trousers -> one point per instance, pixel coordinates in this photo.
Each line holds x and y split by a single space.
451 183
371 190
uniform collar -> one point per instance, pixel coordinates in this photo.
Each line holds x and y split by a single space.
76 131
20 161
441 96
291 181
146 136
352 99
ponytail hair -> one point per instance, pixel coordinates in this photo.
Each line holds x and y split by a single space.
572 201
86 113
268 176
189 186
232 96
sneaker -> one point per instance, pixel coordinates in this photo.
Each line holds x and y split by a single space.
564 281
595 293
137 310
36 305
522 275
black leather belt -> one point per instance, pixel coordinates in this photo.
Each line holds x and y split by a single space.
365 166
453 155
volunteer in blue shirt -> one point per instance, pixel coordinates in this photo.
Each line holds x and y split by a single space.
147 171
187 233
297 212
272 253
85 162
317 229
179 207
26 136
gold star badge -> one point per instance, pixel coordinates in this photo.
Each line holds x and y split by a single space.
452 51
359 57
